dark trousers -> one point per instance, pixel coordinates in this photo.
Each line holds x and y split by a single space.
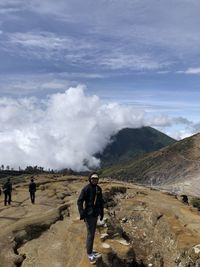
91 223
7 198
32 195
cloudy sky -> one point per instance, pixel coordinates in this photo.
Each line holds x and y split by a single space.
74 72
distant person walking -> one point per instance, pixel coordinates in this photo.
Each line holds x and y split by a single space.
90 206
32 190
7 190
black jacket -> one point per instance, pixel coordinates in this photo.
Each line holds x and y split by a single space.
7 187
86 205
32 187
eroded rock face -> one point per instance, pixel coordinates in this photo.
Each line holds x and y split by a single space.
159 227
142 227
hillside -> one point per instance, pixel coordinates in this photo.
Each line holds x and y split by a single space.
174 164
136 230
131 143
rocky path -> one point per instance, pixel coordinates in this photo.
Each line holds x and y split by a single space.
46 225
62 245
49 233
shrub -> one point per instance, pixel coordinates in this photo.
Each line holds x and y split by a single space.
196 202
117 189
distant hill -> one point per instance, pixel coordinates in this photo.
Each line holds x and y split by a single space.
176 163
131 143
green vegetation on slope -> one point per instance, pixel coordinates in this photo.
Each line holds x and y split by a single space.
158 166
133 143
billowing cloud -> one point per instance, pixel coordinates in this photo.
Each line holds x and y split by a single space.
65 130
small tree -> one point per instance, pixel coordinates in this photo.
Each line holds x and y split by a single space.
195 201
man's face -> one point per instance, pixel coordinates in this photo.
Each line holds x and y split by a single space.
94 181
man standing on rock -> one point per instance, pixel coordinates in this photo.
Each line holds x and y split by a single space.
7 190
32 190
90 206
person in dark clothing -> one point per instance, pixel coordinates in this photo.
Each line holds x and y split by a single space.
7 190
32 190
90 206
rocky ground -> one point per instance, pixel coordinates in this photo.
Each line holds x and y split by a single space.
142 227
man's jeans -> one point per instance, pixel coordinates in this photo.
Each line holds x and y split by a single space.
7 198
32 195
91 223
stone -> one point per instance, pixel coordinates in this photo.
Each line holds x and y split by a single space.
124 220
105 245
104 236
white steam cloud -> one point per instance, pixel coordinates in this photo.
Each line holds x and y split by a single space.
65 131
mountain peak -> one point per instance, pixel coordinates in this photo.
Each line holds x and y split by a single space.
131 143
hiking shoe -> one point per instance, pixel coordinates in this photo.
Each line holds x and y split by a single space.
96 254
92 258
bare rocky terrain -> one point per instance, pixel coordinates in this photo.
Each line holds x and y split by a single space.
142 227
176 166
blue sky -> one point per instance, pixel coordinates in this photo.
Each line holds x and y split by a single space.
140 55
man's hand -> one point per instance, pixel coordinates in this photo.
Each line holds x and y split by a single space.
82 215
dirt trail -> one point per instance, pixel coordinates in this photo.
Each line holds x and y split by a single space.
65 239
50 233
62 238
173 209
54 246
